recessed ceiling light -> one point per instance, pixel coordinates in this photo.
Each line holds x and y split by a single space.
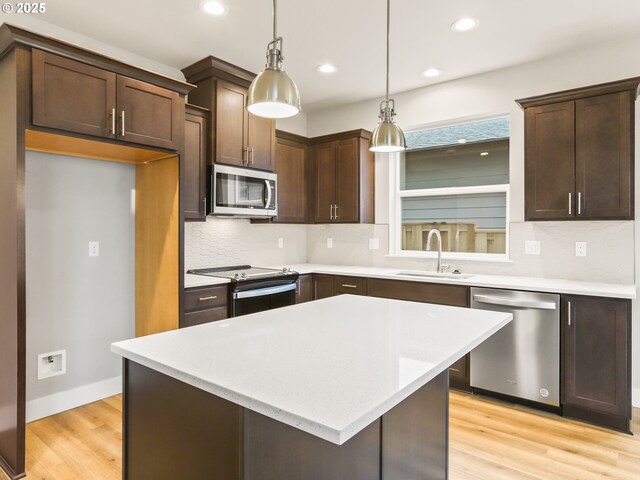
326 68
431 72
212 7
462 140
464 24
484 154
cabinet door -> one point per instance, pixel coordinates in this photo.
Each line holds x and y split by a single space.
292 183
72 96
325 194
596 356
347 181
323 286
550 162
604 146
195 157
261 142
304 289
231 124
149 115
459 373
204 316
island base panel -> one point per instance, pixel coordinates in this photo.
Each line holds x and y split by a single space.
174 430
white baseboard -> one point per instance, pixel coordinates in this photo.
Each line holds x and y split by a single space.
635 397
76 397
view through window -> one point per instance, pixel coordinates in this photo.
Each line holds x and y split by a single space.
455 179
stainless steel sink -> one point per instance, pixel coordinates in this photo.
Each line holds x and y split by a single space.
457 276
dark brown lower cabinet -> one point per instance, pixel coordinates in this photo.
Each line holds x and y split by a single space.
323 286
204 305
596 360
350 285
304 289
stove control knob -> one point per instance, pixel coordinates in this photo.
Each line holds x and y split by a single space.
236 276
285 270
244 275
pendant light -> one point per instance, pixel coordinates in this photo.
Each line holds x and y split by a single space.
388 136
272 93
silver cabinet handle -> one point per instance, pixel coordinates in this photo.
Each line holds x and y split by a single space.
204 205
579 203
336 214
212 297
331 212
569 313
346 285
493 300
569 203
113 121
122 131
245 156
251 156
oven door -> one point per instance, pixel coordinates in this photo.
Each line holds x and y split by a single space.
243 192
260 299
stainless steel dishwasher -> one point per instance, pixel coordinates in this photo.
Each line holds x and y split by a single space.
523 358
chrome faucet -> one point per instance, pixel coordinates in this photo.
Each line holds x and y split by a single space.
439 268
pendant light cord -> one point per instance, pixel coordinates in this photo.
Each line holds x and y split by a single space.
274 21
388 37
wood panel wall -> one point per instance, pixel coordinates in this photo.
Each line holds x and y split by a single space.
157 246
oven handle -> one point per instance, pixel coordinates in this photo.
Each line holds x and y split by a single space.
261 292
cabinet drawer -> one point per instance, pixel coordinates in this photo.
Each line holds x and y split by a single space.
204 316
201 298
352 285
454 295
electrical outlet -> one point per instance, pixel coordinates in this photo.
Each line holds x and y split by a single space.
532 247
329 242
94 249
581 249
280 242
374 244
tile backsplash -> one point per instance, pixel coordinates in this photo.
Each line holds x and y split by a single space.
610 248
222 242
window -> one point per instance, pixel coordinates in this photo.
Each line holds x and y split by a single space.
454 179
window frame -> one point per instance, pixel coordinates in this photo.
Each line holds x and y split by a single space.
395 214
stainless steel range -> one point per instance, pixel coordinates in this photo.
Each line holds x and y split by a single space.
254 289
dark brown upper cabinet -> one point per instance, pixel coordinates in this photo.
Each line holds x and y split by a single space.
596 360
195 159
79 98
291 167
238 137
344 178
579 153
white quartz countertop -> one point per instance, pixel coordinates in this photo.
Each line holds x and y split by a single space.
533 284
329 367
192 281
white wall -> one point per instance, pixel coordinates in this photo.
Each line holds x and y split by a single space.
297 124
74 302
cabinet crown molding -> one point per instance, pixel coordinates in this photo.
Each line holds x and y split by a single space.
628 84
215 67
10 36
361 132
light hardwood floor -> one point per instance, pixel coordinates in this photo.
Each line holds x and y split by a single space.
489 441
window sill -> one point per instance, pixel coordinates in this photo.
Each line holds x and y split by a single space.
471 257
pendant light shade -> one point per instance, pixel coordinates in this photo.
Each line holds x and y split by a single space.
388 136
272 93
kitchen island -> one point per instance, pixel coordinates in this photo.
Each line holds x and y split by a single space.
347 387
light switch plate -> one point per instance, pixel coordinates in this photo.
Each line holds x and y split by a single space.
280 242
329 242
581 249
374 244
532 247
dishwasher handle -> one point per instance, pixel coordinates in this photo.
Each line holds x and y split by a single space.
512 302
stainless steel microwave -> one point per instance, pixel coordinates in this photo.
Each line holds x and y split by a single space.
240 192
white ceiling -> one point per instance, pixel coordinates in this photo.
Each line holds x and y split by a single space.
351 35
